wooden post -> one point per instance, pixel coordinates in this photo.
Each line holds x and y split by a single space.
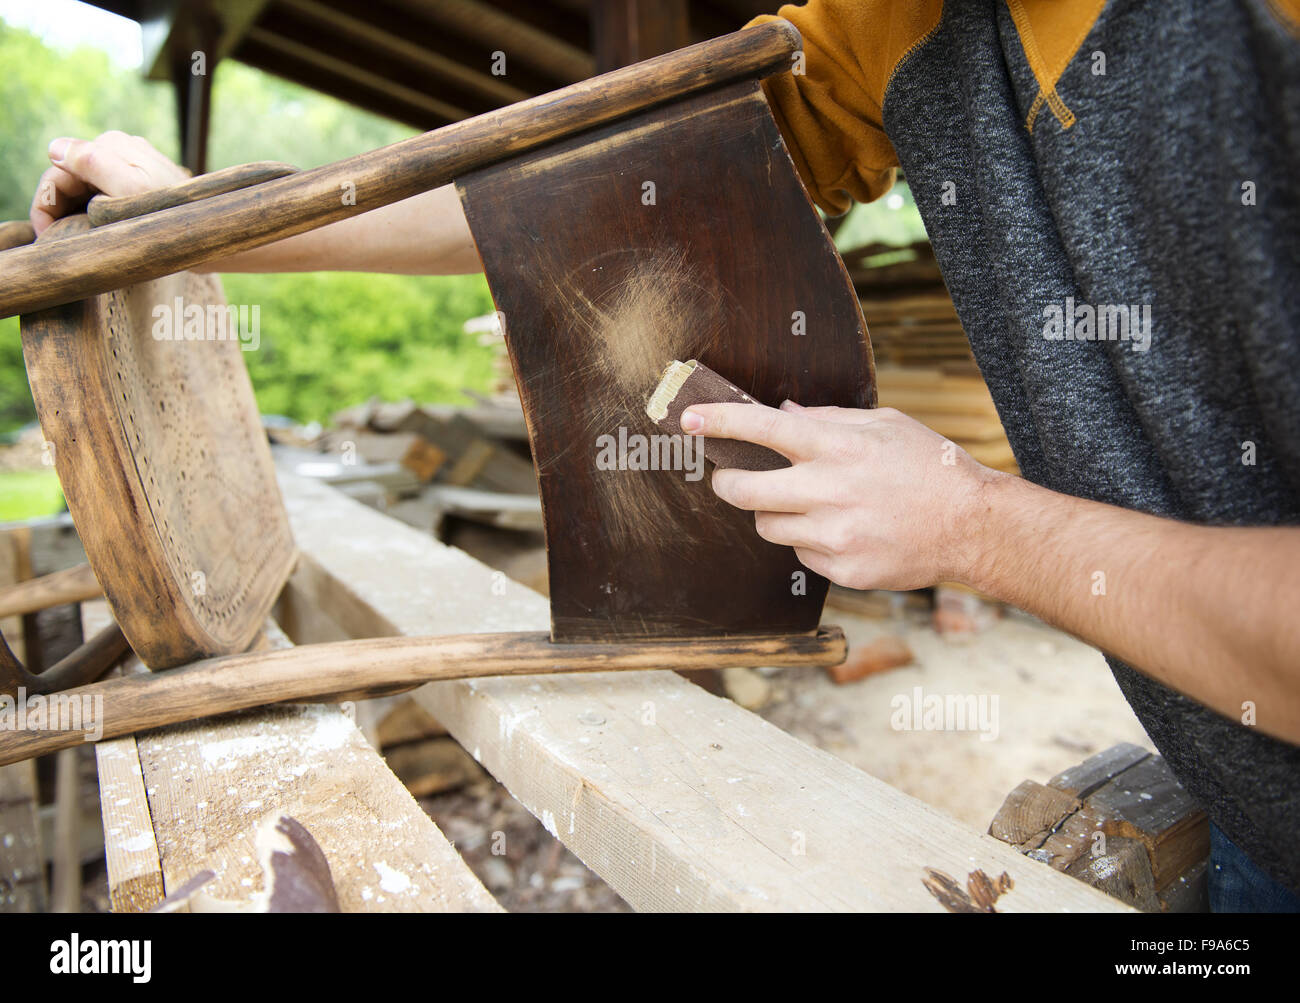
192 71
66 893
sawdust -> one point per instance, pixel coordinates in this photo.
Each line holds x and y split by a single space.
659 310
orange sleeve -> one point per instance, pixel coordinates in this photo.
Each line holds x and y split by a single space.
831 114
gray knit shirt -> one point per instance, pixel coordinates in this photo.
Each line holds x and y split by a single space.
1145 201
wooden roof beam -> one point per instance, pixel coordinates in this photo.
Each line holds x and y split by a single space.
171 29
356 59
267 55
443 53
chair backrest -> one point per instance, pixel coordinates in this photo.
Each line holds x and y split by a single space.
144 396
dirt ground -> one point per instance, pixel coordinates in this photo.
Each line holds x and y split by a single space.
1056 704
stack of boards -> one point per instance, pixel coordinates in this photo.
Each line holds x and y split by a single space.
956 405
907 306
924 365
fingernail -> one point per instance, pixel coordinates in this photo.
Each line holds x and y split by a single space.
58 149
691 422
789 405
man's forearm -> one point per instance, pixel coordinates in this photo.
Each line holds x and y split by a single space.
423 235
1210 612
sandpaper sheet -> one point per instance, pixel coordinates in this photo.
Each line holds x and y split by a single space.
687 383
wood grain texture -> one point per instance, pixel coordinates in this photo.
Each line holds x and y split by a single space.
598 297
135 882
676 798
16 233
105 209
67 586
163 462
352 669
207 785
160 243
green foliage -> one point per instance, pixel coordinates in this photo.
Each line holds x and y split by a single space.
884 221
45 94
16 407
332 339
29 494
327 340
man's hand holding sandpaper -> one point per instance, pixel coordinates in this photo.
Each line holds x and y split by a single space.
872 499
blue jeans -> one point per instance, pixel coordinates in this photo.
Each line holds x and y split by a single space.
1237 885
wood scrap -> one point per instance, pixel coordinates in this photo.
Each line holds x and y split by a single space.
1119 822
432 766
884 653
405 721
493 508
414 452
958 407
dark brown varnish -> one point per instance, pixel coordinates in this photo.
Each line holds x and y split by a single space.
600 290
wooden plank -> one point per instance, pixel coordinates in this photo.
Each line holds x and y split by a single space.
678 799
1118 821
209 783
135 879
1149 804
1029 814
1096 771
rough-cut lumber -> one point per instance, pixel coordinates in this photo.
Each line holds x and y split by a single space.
135 881
1119 822
400 719
474 460
439 764
1030 813
209 783
1096 771
493 508
412 451
678 799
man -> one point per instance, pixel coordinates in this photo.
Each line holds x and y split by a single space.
1109 188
